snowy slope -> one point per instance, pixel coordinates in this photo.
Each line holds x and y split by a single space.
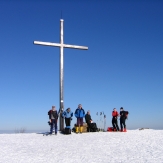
132 147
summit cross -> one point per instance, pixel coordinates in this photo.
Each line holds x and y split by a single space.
61 45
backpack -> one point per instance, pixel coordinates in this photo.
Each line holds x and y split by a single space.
126 114
67 130
110 129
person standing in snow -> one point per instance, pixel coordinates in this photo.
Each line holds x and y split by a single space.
68 114
79 114
114 120
122 119
53 117
90 123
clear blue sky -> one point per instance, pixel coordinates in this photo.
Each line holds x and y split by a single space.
123 66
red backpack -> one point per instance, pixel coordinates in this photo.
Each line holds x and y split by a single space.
110 129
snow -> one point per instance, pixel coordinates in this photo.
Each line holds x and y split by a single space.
134 146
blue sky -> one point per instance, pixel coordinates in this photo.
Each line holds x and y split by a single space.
122 67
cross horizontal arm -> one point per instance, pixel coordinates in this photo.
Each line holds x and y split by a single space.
47 43
75 47
59 45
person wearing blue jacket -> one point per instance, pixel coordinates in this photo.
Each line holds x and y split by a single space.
68 114
79 114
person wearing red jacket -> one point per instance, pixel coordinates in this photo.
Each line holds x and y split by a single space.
114 120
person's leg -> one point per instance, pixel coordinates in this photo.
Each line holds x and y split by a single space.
81 125
77 125
51 126
78 122
121 121
55 126
124 125
117 127
96 127
81 121
68 121
113 124
88 127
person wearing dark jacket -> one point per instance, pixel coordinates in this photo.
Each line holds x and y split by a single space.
122 119
79 114
90 123
53 117
114 120
68 114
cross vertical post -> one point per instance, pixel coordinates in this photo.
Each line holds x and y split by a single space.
61 76
61 72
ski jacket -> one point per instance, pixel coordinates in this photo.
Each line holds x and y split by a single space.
67 114
79 113
115 114
88 118
123 114
53 114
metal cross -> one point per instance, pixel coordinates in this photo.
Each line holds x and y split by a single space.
61 45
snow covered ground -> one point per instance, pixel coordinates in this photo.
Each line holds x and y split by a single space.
104 147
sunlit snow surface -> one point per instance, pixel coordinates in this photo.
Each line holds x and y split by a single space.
133 146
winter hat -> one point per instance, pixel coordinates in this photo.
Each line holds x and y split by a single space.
121 108
68 109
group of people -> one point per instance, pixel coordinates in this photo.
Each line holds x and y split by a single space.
80 114
67 115
123 116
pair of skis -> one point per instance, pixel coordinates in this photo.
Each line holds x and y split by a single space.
48 134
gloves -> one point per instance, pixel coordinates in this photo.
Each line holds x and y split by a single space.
49 122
